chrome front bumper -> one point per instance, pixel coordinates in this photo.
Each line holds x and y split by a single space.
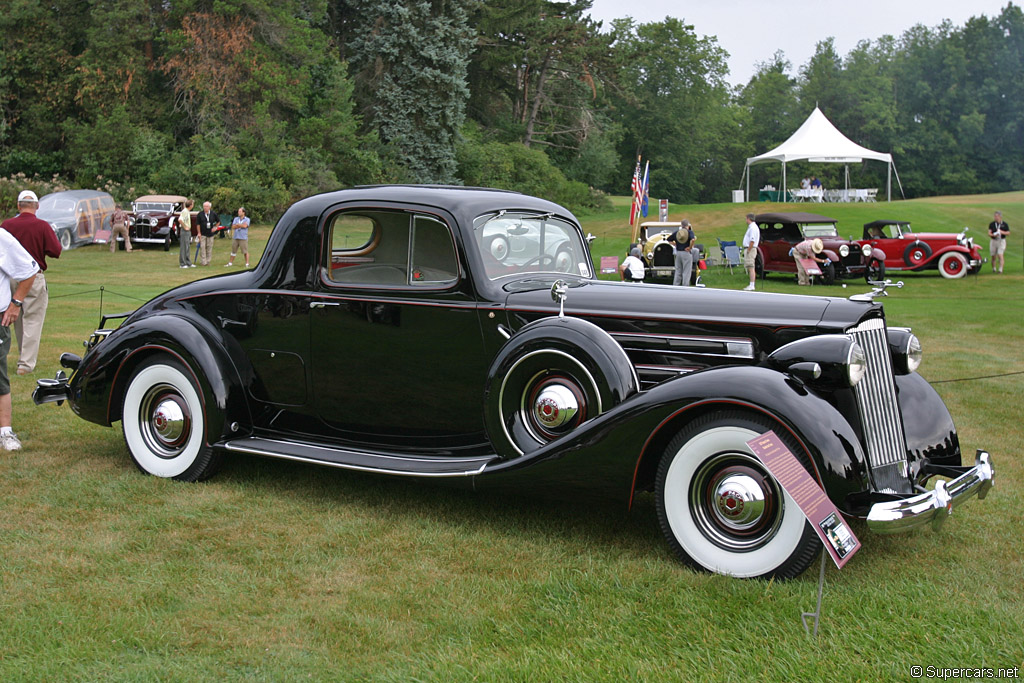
935 505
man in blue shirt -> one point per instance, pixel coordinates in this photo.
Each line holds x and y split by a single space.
240 241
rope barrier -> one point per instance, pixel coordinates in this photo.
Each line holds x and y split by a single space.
101 290
972 379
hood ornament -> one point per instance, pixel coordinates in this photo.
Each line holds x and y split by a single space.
879 290
559 293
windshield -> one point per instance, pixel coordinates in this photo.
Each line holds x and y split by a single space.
514 243
56 206
820 230
151 206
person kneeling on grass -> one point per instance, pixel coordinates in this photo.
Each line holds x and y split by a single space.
240 230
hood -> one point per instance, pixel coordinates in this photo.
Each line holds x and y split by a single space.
774 318
59 221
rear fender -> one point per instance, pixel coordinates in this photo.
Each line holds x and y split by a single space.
97 387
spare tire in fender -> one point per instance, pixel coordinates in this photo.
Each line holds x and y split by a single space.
552 376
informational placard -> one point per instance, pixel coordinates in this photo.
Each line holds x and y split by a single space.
823 515
609 264
811 266
662 210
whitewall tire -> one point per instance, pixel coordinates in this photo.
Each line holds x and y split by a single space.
720 509
164 424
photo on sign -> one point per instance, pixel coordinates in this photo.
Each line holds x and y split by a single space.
838 535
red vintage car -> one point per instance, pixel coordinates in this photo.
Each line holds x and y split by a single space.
891 245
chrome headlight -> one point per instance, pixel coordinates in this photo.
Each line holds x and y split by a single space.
856 365
826 360
905 350
866 250
844 250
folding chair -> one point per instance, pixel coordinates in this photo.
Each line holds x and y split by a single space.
730 253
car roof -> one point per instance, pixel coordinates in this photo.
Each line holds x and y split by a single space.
796 217
660 224
464 202
161 198
78 194
883 223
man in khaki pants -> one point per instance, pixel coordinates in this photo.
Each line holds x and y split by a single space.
40 241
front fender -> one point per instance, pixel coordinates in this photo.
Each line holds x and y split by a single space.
930 433
618 452
99 383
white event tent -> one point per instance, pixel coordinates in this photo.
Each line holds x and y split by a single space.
818 141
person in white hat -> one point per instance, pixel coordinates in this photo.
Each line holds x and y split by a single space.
40 241
808 249
18 272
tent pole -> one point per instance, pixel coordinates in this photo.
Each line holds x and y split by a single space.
783 196
747 171
888 182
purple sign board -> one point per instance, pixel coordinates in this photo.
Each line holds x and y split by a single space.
823 515
609 264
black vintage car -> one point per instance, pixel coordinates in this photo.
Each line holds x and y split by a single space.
381 332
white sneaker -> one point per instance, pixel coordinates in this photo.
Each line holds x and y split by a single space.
10 442
192 265
748 288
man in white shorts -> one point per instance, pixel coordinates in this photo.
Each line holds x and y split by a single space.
751 238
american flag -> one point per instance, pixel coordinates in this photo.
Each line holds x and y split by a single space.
636 191
645 188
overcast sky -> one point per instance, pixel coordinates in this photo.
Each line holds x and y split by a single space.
752 30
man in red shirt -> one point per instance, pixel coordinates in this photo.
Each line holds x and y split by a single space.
39 241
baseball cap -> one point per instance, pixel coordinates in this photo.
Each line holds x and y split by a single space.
28 196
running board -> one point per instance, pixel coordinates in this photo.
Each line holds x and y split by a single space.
405 465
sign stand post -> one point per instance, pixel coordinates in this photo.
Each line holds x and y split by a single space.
817 612
839 541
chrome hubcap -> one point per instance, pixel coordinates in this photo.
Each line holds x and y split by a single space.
739 501
734 503
555 406
168 421
165 421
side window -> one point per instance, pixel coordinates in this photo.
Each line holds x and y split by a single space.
433 253
390 248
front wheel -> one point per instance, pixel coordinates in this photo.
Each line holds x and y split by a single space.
164 424
953 265
65 239
875 272
828 274
719 508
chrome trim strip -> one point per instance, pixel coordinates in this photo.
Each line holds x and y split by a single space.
231 446
901 515
734 347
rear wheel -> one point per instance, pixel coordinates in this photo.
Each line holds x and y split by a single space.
719 508
164 424
953 265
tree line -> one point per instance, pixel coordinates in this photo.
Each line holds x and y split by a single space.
260 102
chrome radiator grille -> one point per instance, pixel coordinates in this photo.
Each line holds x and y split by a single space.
880 415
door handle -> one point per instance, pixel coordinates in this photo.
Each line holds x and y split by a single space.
322 304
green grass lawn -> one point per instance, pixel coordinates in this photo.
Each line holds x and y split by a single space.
280 571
